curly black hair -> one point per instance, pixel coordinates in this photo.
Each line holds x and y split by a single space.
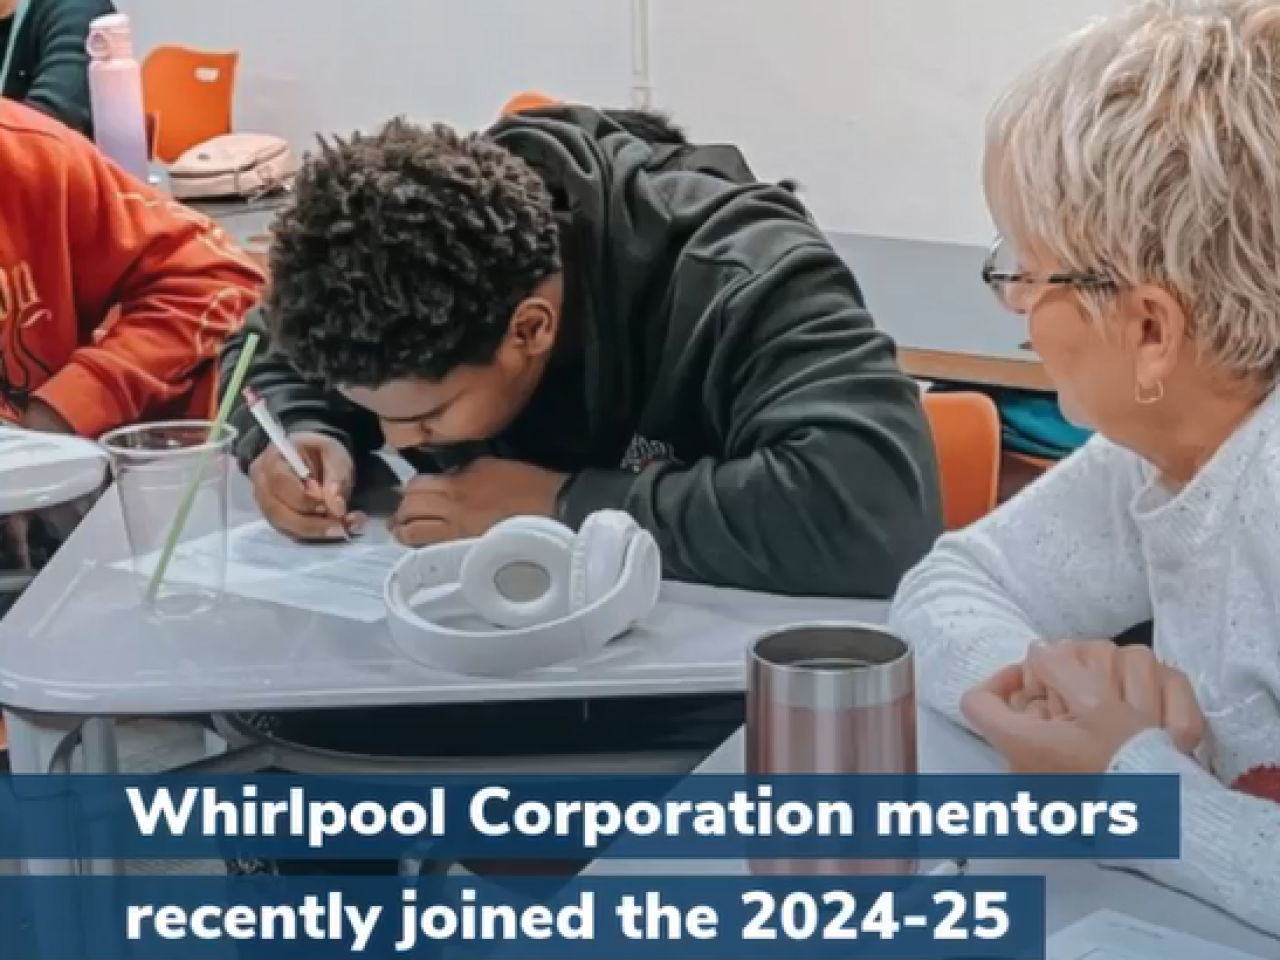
403 254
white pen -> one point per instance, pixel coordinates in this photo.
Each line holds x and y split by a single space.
275 433
280 440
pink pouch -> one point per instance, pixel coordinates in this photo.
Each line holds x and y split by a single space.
235 165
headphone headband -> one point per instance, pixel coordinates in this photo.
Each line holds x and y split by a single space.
423 591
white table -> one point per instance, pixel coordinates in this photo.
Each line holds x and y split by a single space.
78 649
79 644
1076 888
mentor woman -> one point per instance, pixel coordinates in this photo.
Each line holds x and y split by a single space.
1135 178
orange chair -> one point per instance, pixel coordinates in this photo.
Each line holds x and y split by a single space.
966 435
1020 470
190 93
529 100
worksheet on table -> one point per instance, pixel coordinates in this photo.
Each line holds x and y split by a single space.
339 579
1106 935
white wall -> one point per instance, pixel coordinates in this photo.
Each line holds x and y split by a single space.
339 65
875 106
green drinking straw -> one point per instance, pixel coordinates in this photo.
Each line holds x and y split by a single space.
184 511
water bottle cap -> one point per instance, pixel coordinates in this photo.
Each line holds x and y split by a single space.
110 38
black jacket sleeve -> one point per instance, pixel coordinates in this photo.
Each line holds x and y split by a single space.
59 82
299 404
828 483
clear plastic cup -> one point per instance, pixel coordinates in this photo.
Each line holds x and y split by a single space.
160 470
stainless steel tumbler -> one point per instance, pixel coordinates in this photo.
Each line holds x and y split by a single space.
831 698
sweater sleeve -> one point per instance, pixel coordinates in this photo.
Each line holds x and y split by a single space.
1229 839
1061 561
160 285
59 85
299 404
827 484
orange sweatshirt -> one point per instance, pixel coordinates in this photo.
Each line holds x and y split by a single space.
114 300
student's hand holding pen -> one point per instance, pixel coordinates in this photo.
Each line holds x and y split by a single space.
314 508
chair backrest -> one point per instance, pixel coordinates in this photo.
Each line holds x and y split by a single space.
191 93
529 100
153 135
966 435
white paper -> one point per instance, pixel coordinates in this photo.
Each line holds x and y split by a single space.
339 579
1107 935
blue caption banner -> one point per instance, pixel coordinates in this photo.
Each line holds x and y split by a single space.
641 918
572 818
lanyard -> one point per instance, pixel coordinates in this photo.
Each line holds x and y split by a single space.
19 15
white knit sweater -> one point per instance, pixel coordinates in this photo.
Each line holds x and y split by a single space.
1098 545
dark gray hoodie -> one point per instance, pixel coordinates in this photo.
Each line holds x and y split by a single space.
739 401
49 71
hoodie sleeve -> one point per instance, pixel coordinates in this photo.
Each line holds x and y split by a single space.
59 85
299 404
168 282
827 484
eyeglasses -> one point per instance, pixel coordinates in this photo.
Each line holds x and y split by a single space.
1006 284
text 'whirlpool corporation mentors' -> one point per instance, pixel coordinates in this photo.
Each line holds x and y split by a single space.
498 811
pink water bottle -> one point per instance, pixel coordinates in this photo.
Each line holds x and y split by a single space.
115 93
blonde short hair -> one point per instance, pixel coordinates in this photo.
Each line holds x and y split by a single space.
1147 148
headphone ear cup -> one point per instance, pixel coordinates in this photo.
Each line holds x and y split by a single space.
599 555
533 548
644 554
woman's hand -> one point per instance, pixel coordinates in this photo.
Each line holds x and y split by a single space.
1135 675
1096 718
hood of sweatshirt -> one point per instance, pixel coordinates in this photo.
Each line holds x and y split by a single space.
619 241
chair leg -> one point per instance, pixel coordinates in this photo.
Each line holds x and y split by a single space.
40 744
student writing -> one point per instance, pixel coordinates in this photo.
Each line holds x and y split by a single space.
624 323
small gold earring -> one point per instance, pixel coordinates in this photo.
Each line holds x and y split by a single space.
1149 395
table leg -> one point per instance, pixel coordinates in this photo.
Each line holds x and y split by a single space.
40 744
101 755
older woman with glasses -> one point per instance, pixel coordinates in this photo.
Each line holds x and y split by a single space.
1135 177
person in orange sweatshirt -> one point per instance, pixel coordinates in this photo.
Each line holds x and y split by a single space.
114 300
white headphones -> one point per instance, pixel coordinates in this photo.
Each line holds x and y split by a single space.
554 595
